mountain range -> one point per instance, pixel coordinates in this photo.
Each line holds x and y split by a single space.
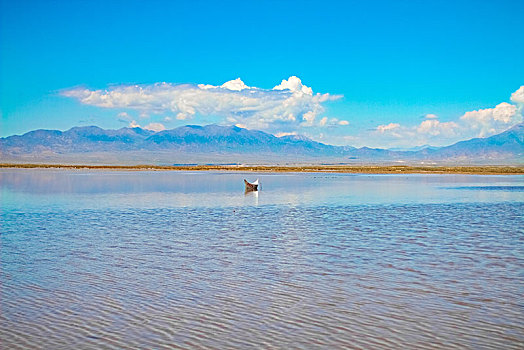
214 144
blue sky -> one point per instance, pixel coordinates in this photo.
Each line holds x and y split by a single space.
392 73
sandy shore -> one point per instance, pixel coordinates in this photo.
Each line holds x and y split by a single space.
356 169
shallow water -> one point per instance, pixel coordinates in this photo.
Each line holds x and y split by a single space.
108 259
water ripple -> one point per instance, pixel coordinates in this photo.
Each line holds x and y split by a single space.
405 276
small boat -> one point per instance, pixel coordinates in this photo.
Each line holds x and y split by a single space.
253 186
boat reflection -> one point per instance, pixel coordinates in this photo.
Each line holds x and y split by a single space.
251 193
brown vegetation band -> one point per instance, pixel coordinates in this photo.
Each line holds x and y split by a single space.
365 169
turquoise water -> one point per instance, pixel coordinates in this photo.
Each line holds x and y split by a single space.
109 259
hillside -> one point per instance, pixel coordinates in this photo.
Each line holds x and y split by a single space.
213 144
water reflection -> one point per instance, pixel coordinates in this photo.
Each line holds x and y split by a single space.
189 260
179 189
252 194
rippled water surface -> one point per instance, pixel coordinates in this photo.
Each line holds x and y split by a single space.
107 259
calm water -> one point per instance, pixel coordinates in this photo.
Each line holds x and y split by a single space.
162 260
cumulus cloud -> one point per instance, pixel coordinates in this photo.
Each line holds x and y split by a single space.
518 96
235 85
429 130
288 104
434 127
134 124
478 123
391 126
308 118
490 121
294 84
155 127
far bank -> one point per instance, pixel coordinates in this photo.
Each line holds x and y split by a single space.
355 169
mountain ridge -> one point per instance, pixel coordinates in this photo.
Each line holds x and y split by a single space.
232 143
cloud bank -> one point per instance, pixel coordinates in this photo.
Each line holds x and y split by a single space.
287 106
479 123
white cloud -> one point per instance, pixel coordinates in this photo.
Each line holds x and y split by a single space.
309 118
155 127
289 108
331 122
235 85
391 126
281 134
490 121
503 112
124 116
518 96
434 127
133 124
294 84
429 131
288 105
478 123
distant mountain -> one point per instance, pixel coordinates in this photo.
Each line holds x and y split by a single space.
221 144
408 149
215 138
508 144
504 148
190 143
77 139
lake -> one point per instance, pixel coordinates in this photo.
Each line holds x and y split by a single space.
162 260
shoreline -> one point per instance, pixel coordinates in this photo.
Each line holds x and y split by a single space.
350 169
